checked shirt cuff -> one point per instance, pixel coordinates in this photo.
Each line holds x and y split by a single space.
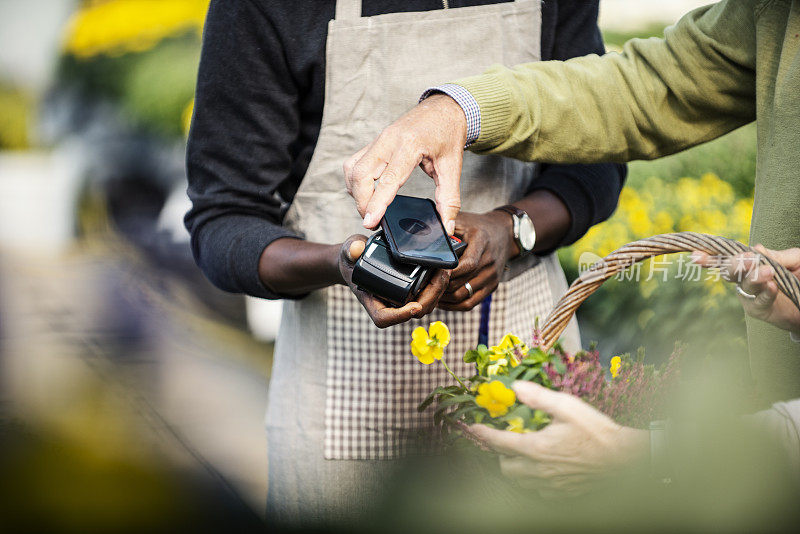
468 104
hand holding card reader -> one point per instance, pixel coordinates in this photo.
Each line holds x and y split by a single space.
379 273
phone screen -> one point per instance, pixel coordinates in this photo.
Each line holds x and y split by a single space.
415 232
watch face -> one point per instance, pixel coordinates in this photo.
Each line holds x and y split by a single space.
527 234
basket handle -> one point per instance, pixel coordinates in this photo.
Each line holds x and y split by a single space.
592 278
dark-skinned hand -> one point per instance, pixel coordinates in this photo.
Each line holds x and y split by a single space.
490 244
381 313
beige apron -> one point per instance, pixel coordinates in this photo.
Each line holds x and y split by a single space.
328 350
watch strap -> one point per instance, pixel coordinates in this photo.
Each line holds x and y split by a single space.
512 209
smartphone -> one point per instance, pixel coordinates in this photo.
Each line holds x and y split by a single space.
415 233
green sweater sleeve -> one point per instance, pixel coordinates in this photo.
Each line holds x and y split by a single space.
655 98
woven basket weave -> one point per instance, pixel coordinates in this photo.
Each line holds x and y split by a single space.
592 278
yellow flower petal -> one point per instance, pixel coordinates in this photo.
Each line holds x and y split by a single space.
496 409
440 332
419 335
497 367
516 424
509 341
616 363
424 356
501 393
420 348
495 397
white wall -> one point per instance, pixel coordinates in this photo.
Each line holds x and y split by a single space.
30 36
38 191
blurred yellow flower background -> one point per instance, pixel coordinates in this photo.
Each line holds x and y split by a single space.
663 300
707 204
116 27
140 54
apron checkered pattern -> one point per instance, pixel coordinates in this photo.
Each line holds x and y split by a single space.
374 384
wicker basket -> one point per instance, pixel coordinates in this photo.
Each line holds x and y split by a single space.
634 252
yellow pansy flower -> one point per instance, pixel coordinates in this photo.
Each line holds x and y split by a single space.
509 341
616 363
505 349
428 345
495 397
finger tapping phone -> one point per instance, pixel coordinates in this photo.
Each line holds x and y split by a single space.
415 233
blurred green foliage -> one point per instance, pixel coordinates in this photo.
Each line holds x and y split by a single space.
161 84
623 315
153 87
732 158
16 110
614 39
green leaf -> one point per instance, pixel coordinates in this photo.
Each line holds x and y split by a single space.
530 374
520 410
427 402
540 419
515 372
441 391
471 356
537 355
463 411
559 367
457 399
505 380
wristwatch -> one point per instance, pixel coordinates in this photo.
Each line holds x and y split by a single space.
524 232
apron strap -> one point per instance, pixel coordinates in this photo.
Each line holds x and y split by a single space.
348 9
